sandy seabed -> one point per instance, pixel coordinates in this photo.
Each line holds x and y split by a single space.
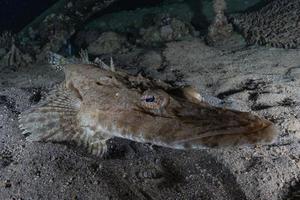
261 80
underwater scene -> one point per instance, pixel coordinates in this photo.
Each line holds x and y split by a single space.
150 100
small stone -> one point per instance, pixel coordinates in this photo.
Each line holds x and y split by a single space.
169 30
5 184
70 5
107 43
298 164
146 174
151 59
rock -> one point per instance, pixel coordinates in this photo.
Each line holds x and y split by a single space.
84 38
132 20
166 29
107 43
150 59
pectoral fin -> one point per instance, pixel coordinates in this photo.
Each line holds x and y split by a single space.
53 119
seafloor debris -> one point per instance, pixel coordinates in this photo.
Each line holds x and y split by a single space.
220 29
276 24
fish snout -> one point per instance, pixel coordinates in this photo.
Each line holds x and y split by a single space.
229 128
251 131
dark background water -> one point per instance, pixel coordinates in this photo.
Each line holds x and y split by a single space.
15 14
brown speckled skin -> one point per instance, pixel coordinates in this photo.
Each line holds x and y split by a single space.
111 107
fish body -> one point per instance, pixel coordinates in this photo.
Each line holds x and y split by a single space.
94 104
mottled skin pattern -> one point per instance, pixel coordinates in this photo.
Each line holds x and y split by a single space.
94 105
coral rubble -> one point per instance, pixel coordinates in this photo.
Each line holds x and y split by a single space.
276 24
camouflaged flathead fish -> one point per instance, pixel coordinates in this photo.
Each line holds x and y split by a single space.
95 104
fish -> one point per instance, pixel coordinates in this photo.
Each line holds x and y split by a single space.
94 104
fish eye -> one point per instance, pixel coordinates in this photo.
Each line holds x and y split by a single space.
150 99
153 101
